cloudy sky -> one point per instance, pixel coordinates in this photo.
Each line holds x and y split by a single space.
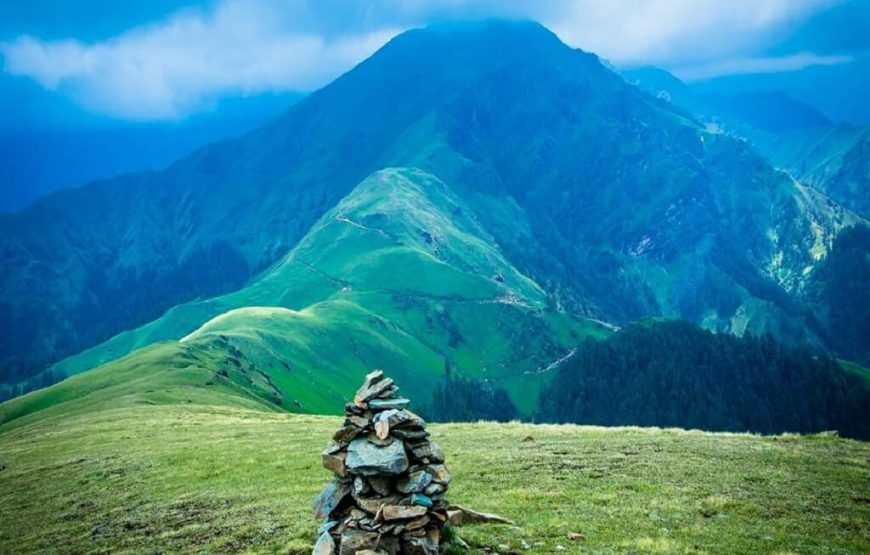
168 59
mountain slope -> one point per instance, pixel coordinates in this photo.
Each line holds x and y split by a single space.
399 275
831 168
617 204
770 111
834 159
84 264
629 207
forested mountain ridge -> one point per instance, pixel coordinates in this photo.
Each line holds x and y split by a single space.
840 294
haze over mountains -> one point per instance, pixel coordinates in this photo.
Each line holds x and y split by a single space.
476 197
44 153
831 157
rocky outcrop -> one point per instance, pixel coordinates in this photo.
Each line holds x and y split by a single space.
388 492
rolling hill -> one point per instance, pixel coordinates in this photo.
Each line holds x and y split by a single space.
400 275
143 243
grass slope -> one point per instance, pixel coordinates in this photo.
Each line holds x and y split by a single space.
208 479
166 373
401 276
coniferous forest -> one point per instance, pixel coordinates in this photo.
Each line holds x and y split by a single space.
675 374
459 399
840 285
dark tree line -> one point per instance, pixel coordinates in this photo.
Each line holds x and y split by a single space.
39 381
458 399
841 285
675 374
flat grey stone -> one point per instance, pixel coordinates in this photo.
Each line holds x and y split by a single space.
356 540
421 500
325 545
331 496
401 512
414 482
368 459
380 484
428 452
435 489
375 384
335 463
423 545
371 505
409 434
439 473
346 433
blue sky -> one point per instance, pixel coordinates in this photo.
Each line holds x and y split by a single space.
165 60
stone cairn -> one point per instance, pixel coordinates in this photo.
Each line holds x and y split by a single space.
387 497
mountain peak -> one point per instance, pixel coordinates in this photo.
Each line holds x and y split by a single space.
517 28
468 41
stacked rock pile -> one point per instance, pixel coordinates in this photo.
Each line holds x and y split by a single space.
388 495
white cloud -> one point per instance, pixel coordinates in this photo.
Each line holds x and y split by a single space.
170 69
174 67
634 32
779 64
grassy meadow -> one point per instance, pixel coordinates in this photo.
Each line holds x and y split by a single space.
215 479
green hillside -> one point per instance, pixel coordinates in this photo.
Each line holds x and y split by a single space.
399 276
167 373
219 479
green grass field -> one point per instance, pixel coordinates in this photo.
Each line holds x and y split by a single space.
193 478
